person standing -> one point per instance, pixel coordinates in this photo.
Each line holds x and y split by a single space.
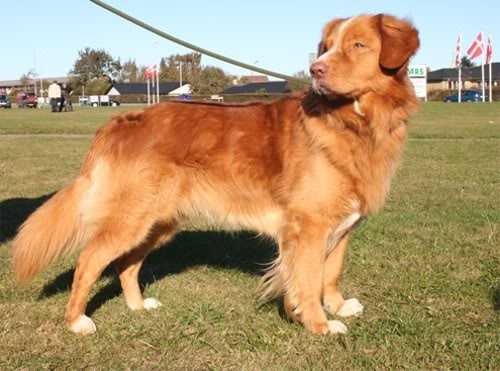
54 96
65 99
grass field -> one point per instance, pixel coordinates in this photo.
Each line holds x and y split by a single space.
427 268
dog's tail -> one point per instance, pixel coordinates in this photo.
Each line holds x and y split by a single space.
52 230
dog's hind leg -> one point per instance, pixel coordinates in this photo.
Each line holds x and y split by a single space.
333 301
111 241
129 265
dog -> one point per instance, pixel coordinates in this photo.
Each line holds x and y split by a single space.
303 170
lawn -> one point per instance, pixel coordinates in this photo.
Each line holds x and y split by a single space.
42 121
427 268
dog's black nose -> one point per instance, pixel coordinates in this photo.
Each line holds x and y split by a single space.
318 69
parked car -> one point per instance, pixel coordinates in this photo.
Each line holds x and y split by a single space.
102 100
5 102
83 100
24 100
467 96
217 98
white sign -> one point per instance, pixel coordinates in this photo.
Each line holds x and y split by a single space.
418 77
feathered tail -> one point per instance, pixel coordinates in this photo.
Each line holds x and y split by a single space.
51 231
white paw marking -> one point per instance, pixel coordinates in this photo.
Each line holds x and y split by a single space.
83 325
337 327
351 307
151 303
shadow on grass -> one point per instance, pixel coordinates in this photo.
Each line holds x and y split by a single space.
14 211
242 251
495 298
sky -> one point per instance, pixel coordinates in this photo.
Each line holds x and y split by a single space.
46 35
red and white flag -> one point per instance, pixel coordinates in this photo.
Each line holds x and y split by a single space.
489 51
458 55
476 48
150 72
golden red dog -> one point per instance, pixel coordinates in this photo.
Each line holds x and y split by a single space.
302 170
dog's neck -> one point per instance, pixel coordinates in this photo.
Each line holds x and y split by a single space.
373 116
318 105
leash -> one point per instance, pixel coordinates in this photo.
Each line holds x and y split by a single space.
195 47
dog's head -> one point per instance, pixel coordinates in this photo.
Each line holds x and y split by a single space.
361 54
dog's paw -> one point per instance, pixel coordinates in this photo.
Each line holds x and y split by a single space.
151 303
332 302
336 327
83 325
351 307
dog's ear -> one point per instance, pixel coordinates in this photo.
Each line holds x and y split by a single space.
399 41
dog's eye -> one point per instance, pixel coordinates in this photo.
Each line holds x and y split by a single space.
359 45
321 48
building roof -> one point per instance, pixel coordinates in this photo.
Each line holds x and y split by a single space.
259 87
255 78
472 73
125 88
13 83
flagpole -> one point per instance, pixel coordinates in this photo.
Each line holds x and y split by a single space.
490 42
490 83
157 85
459 60
153 95
482 66
149 97
460 83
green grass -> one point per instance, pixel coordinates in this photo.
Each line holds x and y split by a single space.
427 268
42 121
467 120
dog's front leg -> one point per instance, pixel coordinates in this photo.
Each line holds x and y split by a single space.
333 300
332 296
302 249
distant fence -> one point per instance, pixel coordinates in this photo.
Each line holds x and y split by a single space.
142 98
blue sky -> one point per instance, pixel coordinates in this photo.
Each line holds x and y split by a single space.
277 35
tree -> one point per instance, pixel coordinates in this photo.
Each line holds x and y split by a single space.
25 79
28 79
243 80
203 80
211 80
97 86
191 67
95 64
93 87
129 72
142 73
466 62
164 70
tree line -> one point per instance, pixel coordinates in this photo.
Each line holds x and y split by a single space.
95 70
